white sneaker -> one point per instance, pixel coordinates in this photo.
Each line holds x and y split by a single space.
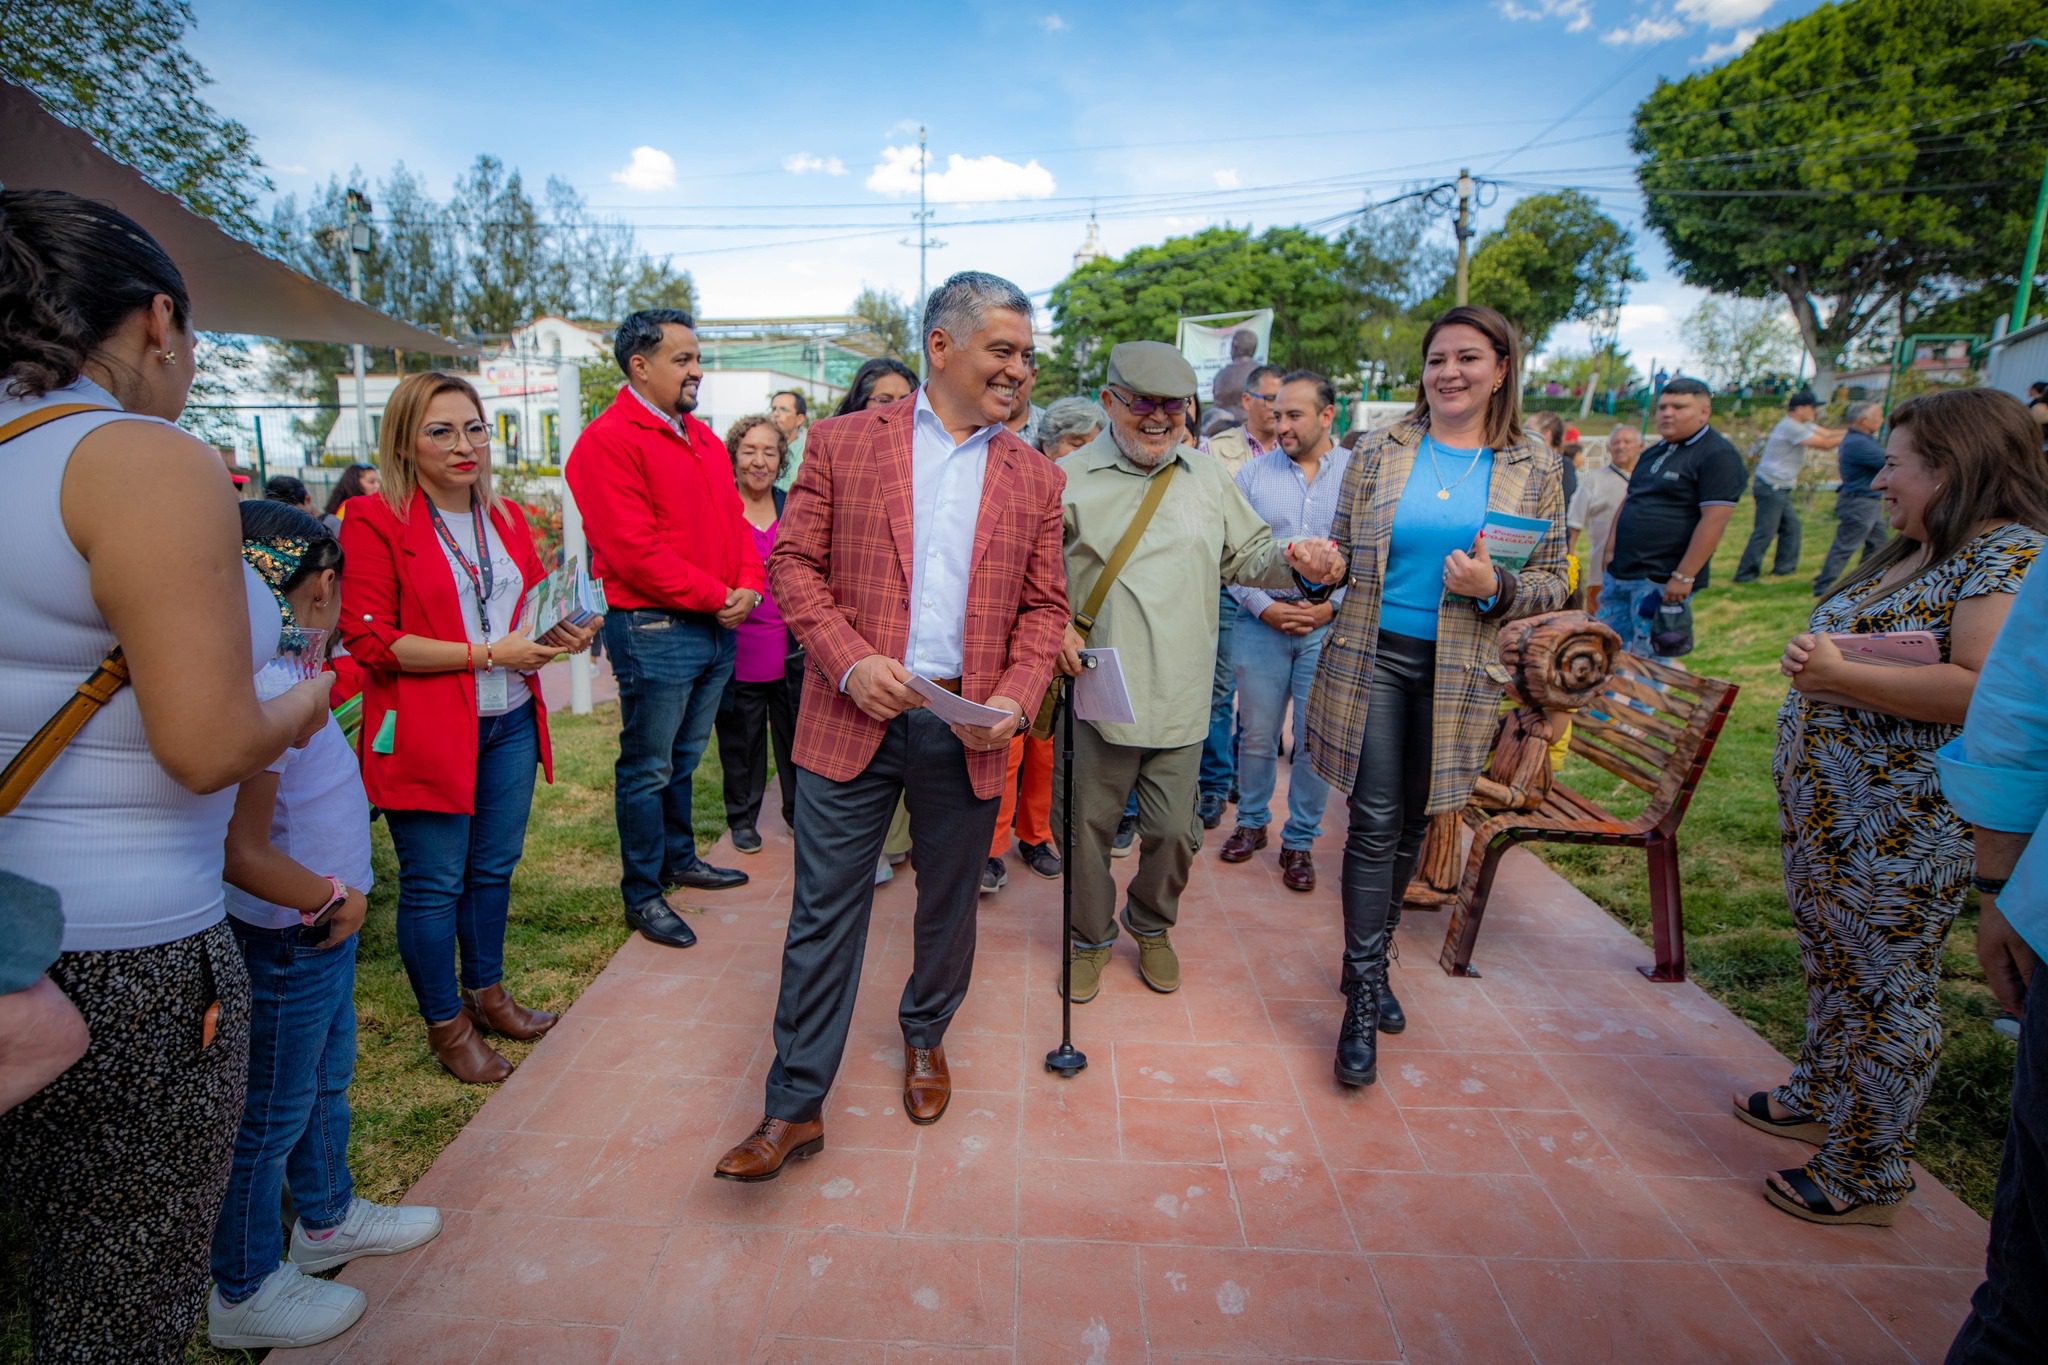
291 1308
883 872
369 1230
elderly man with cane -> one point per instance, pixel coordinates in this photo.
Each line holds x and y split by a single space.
1149 520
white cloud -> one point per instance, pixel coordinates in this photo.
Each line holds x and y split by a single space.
1651 28
803 163
1577 14
650 169
1723 13
1052 23
965 180
292 168
1733 47
1227 180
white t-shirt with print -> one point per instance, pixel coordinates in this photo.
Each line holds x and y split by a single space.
321 822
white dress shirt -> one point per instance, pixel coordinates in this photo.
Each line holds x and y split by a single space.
945 492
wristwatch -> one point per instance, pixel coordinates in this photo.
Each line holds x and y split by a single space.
1684 578
1988 886
309 918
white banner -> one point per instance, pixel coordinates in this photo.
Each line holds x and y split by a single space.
1211 342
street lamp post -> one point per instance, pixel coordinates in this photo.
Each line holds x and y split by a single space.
359 247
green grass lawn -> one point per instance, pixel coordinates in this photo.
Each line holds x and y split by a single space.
1739 939
566 922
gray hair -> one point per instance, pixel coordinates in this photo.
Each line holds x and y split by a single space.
1066 416
958 306
1859 410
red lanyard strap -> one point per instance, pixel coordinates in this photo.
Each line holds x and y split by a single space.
480 579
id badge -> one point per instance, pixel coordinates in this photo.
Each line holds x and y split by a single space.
492 695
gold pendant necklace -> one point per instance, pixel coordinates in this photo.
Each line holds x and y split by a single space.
1443 490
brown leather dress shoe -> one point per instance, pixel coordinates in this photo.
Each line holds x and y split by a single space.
761 1156
469 1059
491 1010
927 1084
1242 843
1297 869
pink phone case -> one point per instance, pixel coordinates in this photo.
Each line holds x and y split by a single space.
1898 648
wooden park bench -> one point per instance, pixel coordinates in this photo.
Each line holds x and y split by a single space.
1653 726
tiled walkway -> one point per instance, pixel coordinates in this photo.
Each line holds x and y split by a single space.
1546 1170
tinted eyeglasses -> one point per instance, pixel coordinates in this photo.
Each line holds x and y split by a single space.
1145 407
473 434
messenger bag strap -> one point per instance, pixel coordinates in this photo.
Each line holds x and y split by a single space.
1155 492
110 677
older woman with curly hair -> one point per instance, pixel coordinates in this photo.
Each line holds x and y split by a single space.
767 676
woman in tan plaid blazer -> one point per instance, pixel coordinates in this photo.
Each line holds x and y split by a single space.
1405 699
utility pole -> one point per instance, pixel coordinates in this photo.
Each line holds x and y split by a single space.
1464 232
925 242
359 247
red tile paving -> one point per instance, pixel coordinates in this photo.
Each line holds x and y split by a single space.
1547 1170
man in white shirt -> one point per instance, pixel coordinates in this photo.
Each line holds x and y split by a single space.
1777 478
1600 495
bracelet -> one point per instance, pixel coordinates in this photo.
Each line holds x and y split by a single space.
1684 578
487 659
468 657
1988 886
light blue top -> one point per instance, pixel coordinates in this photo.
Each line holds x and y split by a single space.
945 502
1427 528
1996 772
1273 484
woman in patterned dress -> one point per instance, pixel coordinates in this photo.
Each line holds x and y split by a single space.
1875 858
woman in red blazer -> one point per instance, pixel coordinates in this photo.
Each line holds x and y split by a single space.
435 576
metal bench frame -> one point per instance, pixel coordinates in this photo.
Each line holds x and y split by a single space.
1654 727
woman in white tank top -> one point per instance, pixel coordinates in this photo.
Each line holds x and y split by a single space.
120 529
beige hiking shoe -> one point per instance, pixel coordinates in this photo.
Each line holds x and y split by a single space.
1158 963
1087 972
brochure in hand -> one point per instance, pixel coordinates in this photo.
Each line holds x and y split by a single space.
568 595
1510 539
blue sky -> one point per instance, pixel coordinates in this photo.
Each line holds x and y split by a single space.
771 148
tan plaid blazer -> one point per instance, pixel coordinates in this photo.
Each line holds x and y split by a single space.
1469 677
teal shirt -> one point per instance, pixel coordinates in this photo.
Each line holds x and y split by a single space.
1426 529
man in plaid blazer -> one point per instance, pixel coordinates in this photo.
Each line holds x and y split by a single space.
922 538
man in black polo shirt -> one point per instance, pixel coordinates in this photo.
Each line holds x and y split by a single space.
1679 500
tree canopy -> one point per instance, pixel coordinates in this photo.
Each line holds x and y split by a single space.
1556 259
1864 152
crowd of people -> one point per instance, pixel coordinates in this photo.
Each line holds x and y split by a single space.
185 859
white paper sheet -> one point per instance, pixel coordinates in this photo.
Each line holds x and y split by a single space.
1100 693
955 710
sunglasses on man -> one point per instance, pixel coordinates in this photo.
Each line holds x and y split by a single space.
1145 407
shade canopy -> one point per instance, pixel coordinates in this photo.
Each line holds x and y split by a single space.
234 287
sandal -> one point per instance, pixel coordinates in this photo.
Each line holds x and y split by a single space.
1756 1112
1810 1202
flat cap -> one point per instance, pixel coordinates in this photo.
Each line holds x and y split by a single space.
1151 368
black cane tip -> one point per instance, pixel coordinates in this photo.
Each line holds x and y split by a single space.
1066 1059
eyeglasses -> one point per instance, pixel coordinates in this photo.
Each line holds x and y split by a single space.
1145 407
475 435
1272 397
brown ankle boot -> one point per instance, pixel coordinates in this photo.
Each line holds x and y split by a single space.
469 1059
491 1010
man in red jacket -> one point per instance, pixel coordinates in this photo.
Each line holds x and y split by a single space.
669 539
922 540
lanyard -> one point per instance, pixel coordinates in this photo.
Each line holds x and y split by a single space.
480 579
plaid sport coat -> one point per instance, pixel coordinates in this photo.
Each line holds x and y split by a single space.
1470 681
841 574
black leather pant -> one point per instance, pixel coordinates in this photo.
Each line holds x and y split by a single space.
1389 799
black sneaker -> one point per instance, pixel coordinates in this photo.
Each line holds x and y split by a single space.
746 838
1210 807
1126 832
994 877
1042 859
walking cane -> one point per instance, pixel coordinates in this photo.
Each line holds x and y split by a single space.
1067 1059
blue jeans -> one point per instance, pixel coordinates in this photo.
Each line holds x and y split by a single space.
672 668
1272 667
1219 757
302 1054
455 871
1618 599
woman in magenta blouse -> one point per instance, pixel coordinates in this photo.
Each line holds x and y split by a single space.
767 676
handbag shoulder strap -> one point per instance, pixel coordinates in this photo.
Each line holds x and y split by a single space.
1155 491
36 756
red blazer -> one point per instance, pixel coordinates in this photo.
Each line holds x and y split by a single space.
395 581
664 520
841 574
